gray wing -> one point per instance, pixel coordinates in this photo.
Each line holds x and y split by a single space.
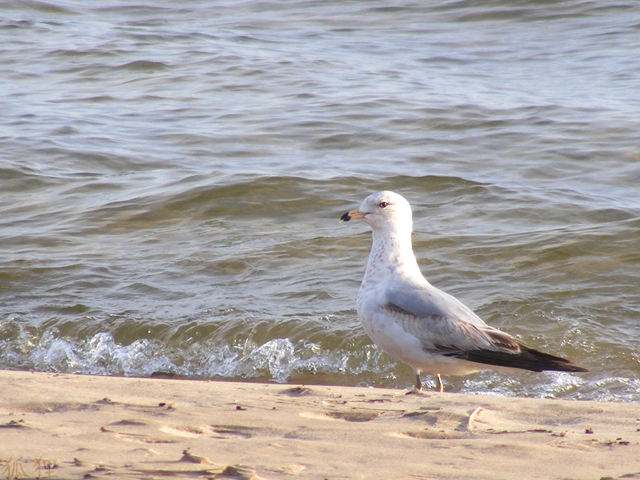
445 326
443 323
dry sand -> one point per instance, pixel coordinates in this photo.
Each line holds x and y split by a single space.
106 427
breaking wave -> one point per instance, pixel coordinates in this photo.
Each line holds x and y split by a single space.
278 360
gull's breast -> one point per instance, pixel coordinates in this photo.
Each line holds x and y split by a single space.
385 331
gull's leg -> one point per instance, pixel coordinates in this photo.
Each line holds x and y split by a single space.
439 386
418 387
418 381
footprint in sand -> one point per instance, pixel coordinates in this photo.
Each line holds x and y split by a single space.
184 431
348 416
429 435
229 431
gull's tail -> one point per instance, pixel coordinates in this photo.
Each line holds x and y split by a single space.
526 358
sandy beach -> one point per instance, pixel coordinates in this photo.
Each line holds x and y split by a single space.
72 426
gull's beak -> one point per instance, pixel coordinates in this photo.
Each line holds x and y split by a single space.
352 215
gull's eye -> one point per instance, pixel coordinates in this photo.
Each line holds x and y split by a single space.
383 204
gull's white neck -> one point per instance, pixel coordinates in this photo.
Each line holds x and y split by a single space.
391 256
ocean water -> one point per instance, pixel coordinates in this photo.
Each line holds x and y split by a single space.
172 175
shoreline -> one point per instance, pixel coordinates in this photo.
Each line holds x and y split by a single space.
95 427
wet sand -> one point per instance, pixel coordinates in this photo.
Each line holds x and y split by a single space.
73 426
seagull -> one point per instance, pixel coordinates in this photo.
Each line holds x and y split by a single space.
420 325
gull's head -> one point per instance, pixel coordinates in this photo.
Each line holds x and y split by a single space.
383 211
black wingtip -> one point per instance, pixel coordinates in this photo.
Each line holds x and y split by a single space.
527 359
547 361
570 367
345 218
